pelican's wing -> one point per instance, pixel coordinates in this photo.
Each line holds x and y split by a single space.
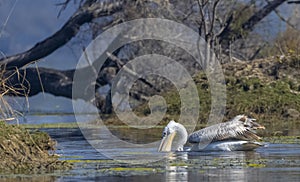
240 128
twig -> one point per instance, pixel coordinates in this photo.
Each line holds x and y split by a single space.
39 75
8 17
284 20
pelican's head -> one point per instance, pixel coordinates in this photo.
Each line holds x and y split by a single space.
168 135
250 122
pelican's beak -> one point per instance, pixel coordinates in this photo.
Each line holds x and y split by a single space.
257 126
166 143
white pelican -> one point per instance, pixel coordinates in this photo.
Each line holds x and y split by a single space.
236 134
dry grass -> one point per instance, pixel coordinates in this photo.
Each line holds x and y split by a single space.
7 113
22 151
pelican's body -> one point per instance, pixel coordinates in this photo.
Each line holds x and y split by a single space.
228 145
237 134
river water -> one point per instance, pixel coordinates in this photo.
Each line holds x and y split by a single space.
274 162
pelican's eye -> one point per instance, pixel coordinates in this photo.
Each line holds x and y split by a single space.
165 132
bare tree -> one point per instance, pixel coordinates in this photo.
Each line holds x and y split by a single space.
215 20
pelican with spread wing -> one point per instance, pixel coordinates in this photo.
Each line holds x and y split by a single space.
236 134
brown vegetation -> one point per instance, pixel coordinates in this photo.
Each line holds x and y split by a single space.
22 151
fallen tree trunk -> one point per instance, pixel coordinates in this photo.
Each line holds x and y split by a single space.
56 82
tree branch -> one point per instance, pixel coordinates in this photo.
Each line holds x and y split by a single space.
257 17
228 34
293 2
66 33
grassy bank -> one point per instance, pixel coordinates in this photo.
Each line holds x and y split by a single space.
24 151
266 89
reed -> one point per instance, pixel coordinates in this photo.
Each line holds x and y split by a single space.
7 112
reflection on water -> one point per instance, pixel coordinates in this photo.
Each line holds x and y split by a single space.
274 162
235 166
180 172
52 118
177 173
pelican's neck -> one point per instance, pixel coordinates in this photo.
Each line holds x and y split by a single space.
182 135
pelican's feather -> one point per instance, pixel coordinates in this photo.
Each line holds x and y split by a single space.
239 128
